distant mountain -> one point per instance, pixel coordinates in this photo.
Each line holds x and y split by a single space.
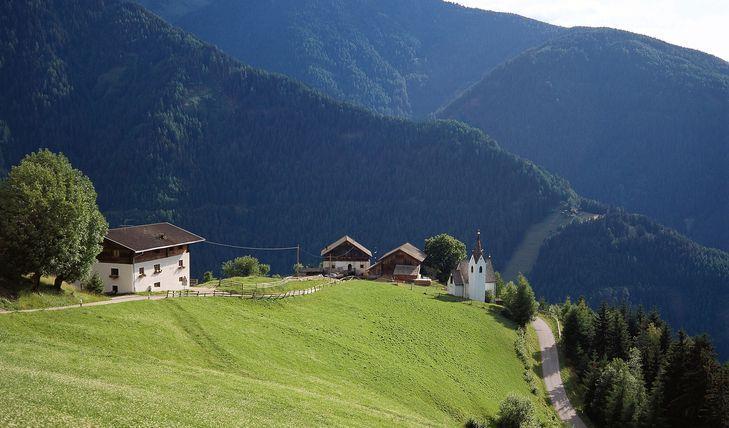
627 119
623 257
169 128
399 57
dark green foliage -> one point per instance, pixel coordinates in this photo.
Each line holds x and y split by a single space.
516 412
499 285
521 305
628 119
94 284
171 129
716 408
623 257
617 394
683 391
578 333
244 266
400 57
49 221
208 276
443 254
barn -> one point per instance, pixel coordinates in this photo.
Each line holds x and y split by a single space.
401 264
346 256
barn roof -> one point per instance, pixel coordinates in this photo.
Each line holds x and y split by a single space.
406 270
341 241
408 249
152 237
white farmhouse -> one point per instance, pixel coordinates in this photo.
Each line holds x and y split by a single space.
152 257
473 277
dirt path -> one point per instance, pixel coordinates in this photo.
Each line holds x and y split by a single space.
113 300
138 297
552 378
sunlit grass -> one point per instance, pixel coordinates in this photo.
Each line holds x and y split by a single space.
355 354
19 296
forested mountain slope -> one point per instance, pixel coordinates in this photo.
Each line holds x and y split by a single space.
400 57
627 119
624 257
169 128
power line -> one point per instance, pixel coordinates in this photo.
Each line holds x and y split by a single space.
251 248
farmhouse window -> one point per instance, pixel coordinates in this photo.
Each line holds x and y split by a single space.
181 263
141 271
114 273
361 266
182 279
157 284
115 253
157 269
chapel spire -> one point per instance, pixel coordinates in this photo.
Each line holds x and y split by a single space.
478 249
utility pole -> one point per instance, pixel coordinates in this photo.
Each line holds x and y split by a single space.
298 249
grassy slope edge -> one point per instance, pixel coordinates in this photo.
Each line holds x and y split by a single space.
358 354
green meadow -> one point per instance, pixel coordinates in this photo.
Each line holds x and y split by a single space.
355 354
19 296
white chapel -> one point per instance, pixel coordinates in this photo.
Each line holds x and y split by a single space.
473 277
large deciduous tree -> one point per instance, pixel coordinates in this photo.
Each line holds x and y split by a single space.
443 254
50 223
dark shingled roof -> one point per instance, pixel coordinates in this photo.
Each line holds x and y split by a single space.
490 273
152 237
408 249
406 270
342 240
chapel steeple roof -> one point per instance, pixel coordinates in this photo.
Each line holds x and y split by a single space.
478 249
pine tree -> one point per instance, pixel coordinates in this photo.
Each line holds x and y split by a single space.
524 305
578 334
618 341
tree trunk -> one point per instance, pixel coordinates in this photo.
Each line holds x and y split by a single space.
57 283
36 281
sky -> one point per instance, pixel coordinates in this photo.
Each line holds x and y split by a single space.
697 24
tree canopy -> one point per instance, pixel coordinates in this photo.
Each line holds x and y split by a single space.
443 253
49 221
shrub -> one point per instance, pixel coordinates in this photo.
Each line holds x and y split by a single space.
473 423
489 296
244 266
208 276
516 412
94 284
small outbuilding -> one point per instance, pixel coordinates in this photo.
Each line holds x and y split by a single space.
346 256
401 264
151 257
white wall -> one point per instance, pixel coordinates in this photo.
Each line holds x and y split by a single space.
342 266
169 278
477 280
129 280
125 281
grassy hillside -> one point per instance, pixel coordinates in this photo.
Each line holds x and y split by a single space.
21 296
400 57
628 119
360 354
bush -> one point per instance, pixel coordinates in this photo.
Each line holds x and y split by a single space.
473 423
244 266
208 276
94 284
489 296
516 412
